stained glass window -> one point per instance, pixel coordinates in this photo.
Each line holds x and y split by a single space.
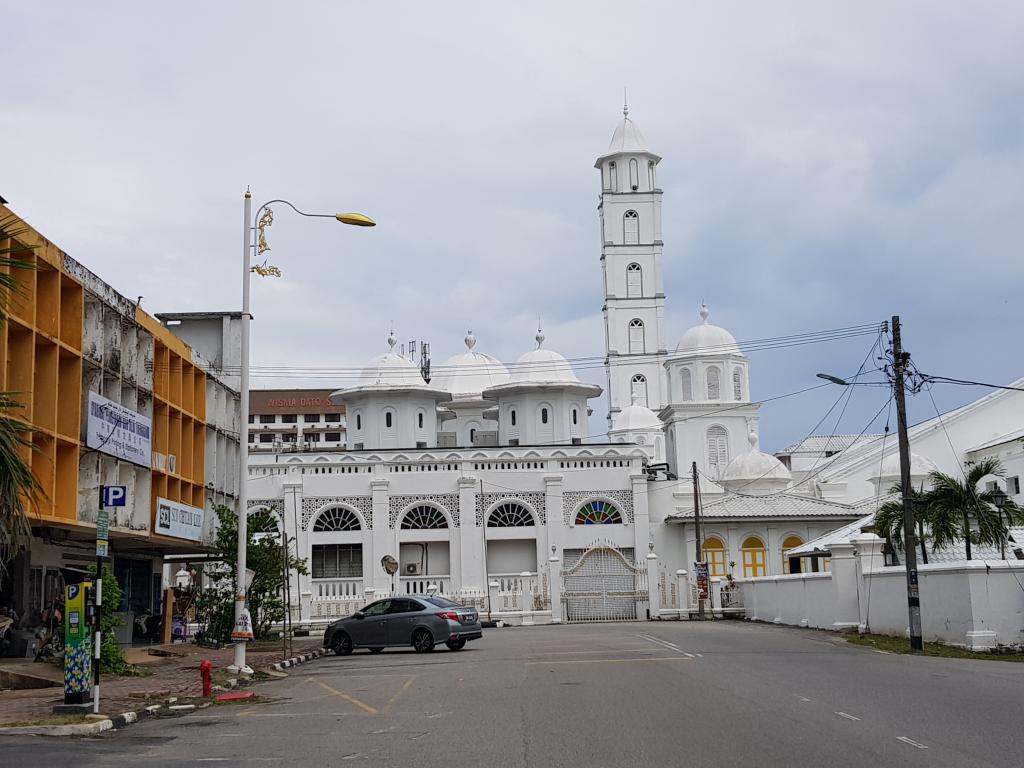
336 519
598 512
424 517
510 515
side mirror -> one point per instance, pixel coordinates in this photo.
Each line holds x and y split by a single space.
358 615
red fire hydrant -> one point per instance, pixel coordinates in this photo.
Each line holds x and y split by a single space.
206 670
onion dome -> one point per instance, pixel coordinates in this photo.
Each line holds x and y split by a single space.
755 470
468 374
388 372
708 339
542 366
635 417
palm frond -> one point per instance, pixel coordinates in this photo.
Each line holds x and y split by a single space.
18 484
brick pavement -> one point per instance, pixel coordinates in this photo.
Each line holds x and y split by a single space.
176 675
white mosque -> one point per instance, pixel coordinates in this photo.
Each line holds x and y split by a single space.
481 486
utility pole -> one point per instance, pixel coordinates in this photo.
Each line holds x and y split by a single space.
700 538
900 359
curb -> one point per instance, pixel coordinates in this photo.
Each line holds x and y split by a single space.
294 661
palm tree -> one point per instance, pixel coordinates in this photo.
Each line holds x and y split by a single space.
889 518
954 503
18 485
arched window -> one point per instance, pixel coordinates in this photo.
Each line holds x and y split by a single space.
737 385
650 174
630 228
262 520
472 435
714 383
753 557
714 555
543 415
388 419
510 515
598 512
419 419
512 416
686 384
613 177
337 519
638 389
718 450
634 174
423 517
791 564
359 421
636 336
575 416
634 280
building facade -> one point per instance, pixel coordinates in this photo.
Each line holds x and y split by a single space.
289 420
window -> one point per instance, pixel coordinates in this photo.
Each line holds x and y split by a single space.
376 609
266 437
332 437
388 419
472 435
791 564
336 519
1013 486
634 174
289 418
359 421
737 385
442 602
267 419
638 389
311 418
419 419
289 437
714 555
423 517
753 557
252 419
311 437
575 416
613 177
630 228
332 418
404 606
650 174
337 561
512 416
634 280
636 336
252 437
718 450
510 515
543 415
686 384
714 383
598 512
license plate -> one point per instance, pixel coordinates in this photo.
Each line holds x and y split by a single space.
469 618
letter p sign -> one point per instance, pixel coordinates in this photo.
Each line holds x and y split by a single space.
115 495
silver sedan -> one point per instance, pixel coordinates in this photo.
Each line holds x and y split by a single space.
421 621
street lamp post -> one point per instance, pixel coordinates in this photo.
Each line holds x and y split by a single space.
263 219
999 500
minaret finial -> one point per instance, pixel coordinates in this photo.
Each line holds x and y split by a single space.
625 104
540 334
470 340
704 312
392 339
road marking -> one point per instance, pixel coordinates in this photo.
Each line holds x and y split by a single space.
644 649
911 742
848 716
664 643
401 690
346 697
610 661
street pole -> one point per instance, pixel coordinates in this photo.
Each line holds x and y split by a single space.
696 524
900 359
97 638
238 664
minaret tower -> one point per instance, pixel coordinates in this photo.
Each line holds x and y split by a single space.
631 248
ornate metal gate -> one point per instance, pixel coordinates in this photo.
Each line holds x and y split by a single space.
601 584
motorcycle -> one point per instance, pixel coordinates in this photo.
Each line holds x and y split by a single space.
50 636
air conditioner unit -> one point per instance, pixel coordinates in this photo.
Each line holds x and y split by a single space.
412 569
172 463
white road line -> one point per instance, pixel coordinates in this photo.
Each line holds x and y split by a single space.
700 655
911 742
848 716
688 654
665 644
802 698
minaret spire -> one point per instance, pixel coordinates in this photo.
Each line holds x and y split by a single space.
625 103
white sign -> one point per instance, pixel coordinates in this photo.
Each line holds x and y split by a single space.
113 429
178 520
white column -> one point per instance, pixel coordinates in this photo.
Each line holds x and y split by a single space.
683 590
716 595
471 576
493 599
653 603
844 584
555 578
869 558
383 537
527 604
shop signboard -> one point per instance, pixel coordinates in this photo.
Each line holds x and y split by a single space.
703 587
118 431
178 520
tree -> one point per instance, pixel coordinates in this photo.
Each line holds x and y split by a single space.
954 503
265 556
889 519
18 486
112 661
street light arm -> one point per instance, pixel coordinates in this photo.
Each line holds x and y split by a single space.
259 211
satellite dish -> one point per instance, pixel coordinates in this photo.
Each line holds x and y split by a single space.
389 564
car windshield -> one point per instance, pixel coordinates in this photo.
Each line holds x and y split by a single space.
442 602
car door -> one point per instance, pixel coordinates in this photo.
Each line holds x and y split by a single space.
402 616
370 631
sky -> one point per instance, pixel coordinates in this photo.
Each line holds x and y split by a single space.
824 165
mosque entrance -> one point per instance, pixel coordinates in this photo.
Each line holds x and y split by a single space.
601 583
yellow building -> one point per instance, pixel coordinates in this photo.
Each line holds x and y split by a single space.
73 345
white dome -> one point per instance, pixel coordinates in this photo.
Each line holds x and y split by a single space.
542 366
707 339
920 467
469 374
755 467
635 417
388 371
627 138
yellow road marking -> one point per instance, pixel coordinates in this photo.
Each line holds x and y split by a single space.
610 661
639 649
401 690
346 697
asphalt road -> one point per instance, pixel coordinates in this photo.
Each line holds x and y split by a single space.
631 694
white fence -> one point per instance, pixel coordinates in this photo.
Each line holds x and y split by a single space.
977 604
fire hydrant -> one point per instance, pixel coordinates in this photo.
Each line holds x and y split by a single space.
206 670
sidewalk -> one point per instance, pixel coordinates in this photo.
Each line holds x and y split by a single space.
176 675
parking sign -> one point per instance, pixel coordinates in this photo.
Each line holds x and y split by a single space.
114 495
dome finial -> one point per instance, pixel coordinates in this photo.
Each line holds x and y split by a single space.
752 439
625 104
470 340
634 399
539 338
392 339
704 311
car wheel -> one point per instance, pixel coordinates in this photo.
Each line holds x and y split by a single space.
376 650
422 641
341 644
456 645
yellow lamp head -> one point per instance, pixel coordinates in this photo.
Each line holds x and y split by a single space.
355 219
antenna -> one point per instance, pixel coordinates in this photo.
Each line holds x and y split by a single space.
425 361
412 350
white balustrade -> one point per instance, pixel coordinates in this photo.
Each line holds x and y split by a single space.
425 585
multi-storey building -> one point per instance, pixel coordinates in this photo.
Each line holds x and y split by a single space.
113 398
288 420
